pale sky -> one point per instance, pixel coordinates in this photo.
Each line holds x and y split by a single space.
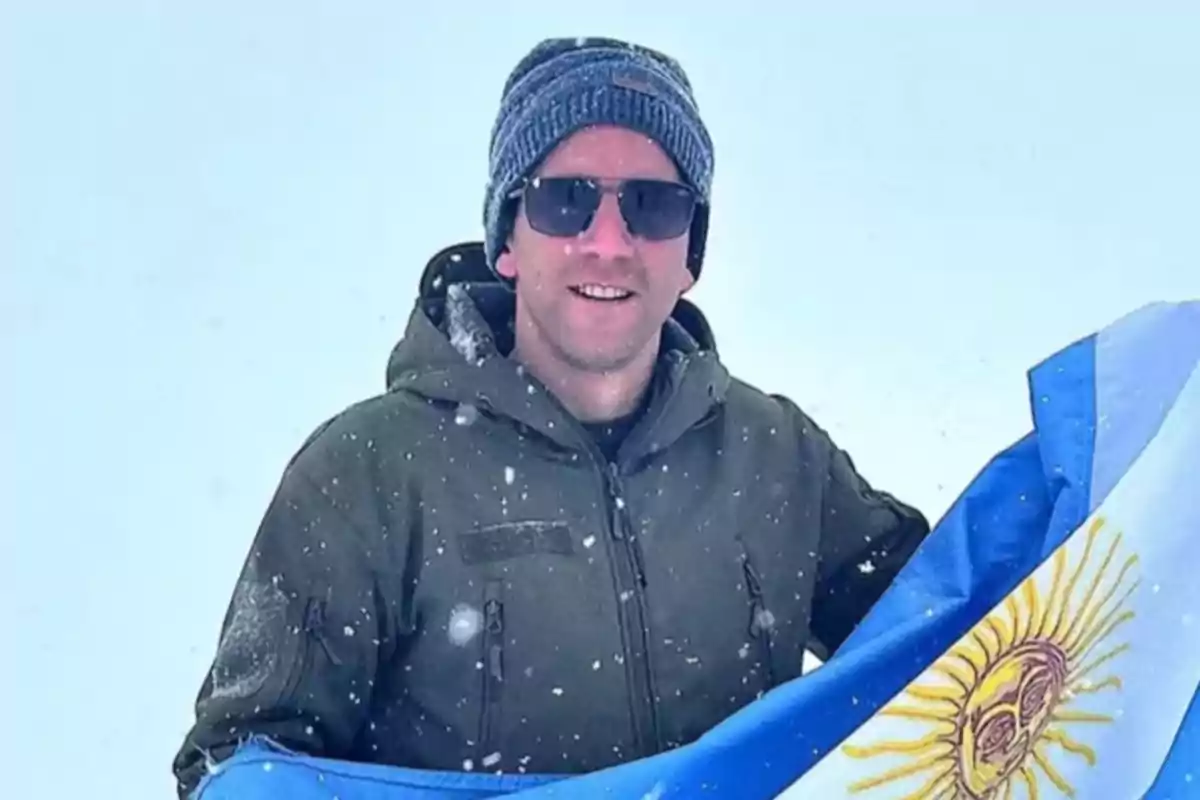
212 222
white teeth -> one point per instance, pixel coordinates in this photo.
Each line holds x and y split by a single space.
600 292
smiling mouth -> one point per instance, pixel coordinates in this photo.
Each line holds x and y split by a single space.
601 292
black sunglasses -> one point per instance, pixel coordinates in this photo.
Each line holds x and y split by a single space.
564 206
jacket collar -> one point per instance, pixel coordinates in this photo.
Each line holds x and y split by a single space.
455 346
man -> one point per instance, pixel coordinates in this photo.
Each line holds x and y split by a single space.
565 537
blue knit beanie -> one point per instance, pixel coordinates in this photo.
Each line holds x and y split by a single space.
563 85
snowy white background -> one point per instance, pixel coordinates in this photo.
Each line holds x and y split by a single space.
212 221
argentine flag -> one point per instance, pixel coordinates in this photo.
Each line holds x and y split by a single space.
1043 643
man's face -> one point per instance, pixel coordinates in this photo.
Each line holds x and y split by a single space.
597 300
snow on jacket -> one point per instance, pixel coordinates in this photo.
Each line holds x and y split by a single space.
452 576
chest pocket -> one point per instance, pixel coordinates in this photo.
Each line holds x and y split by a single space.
495 551
540 652
492 672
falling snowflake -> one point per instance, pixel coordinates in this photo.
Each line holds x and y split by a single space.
764 620
465 623
466 414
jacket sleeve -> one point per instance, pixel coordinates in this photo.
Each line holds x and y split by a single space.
866 537
301 638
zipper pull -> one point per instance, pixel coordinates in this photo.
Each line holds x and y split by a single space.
494 624
494 621
622 530
753 583
314 625
639 562
760 617
612 482
496 663
618 529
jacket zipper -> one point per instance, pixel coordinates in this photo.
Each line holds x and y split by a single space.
631 602
493 665
631 605
760 622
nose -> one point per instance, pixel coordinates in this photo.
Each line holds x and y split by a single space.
607 237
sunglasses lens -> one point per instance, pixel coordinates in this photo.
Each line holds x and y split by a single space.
657 210
561 206
653 209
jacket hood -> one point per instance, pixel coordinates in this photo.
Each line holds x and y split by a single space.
456 344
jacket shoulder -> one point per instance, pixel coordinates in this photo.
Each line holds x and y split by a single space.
777 419
751 403
382 423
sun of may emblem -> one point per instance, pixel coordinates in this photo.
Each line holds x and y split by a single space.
995 705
